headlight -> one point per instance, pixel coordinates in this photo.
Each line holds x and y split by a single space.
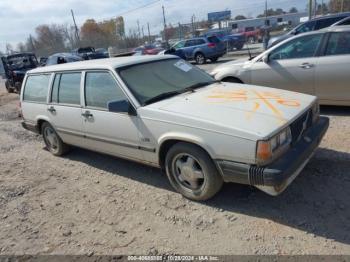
315 112
268 150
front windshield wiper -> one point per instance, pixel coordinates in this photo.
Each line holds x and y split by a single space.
177 92
199 85
161 97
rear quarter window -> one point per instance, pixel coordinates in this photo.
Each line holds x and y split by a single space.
36 88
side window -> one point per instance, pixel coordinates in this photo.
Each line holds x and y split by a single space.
200 42
338 44
190 43
100 89
308 26
36 88
179 45
66 89
298 48
345 22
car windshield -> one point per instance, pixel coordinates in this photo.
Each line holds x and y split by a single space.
162 79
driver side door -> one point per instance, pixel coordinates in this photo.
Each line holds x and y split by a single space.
114 133
290 66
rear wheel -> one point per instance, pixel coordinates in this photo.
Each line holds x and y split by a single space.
192 172
52 141
200 58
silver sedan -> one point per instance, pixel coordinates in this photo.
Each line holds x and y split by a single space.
316 63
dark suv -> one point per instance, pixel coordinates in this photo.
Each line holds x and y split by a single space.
199 49
312 25
15 67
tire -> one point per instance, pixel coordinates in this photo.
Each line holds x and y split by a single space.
214 59
8 87
53 142
192 172
251 40
200 58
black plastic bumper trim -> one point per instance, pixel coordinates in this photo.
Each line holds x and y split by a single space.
277 173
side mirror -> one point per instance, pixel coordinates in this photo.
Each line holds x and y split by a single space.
121 106
266 59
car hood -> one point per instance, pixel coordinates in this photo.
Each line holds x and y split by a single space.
252 112
239 64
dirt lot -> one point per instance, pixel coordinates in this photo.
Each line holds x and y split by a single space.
88 203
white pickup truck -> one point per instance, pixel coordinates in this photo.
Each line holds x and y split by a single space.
165 112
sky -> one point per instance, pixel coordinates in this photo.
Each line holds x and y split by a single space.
19 18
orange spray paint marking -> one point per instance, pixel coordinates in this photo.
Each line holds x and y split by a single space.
288 102
269 105
255 109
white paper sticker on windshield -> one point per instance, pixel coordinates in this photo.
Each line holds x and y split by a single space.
183 66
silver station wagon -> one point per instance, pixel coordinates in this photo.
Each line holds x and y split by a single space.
165 112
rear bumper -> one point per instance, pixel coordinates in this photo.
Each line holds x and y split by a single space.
283 171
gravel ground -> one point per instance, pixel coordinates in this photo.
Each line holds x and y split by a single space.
89 203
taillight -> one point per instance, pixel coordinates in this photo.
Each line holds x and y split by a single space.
211 45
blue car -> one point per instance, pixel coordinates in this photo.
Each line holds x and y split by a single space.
199 49
231 41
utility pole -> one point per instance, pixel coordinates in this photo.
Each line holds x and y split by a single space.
149 33
315 8
310 9
139 30
265 12
76 27
342 6
32 43
165 33
180 31
321 7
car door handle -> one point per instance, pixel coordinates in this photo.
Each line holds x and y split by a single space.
306 65
87 114
51 109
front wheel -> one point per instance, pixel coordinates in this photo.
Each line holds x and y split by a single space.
192 172
200 58
52 141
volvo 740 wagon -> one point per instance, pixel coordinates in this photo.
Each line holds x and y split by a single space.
165 112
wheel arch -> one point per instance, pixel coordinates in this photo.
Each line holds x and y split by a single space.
232 79
167 142
40 120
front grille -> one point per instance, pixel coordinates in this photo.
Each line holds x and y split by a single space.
299 126
256 175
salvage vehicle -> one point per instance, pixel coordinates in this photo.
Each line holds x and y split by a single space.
15 66
89 53
315 63
231 41
167 113
199 49
62 58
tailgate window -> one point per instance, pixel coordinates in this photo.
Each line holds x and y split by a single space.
36 88
213 39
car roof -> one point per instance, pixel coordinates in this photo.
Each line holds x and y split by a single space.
20 54
108 63
330 16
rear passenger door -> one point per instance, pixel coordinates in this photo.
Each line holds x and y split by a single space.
64 108
189 48
109 132
333 70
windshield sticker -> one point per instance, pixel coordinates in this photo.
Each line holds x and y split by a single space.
182 65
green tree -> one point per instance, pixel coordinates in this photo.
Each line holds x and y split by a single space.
293 10
240 17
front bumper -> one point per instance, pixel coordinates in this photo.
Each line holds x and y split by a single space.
274 178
